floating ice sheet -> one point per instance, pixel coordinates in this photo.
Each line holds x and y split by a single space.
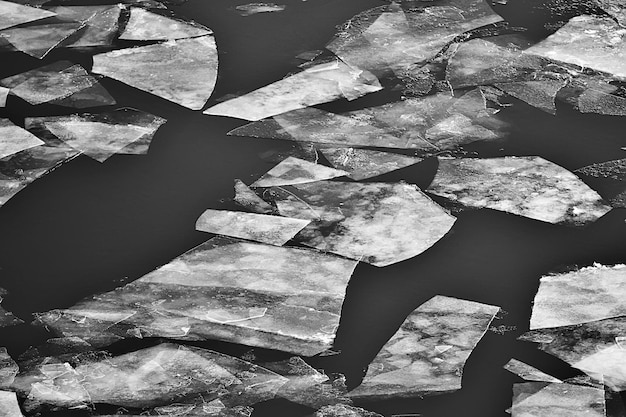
6 318
125 131
377 223
527 186
399 38
101 24
315 85
255 8
8 369
428 353
39 40
429 124
528 372
274 230
13 14
296 171
14 139
343 410
248 199
538 399
9 407
183 71
363 163
589 294
590 42
144 25
615 169
260 295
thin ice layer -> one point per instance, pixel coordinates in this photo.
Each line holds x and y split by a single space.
260 295
315 85
125 131
14 139
150 377
101 24
9 407
527 186
528 372
144 25
590 42
249 200
273 230
39 40
377 223
596 348
255 8
183 71
588 294
363 163
296 171
13 14
399 38
428 124
428 353
8 369
539 399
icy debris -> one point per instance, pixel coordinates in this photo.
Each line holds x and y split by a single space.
144 25
527 186
260 295
249 200
362 163
14 139
9 407
8 369
124 131
255 8
296 171
410 365
528 372
343 410
536 399
6 319
183 71
100 24
588 294
273 230
38 41
315 85
13 14
377 223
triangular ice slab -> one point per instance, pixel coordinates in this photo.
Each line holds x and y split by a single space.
101 24
14 139
260 295
144 25
9 407
296 171
535 399
363 163
39 40
315 85
411 365
589 294
13 14
528 372
183 71
527 186
377 223
248 199
4 94
273 230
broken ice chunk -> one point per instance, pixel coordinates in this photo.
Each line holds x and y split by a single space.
4 94
6 319
343 410
296 171
301 290
183 71
13 14
248 199
255 8
616 8
538 399
99 136
528 372
362 163
527 186
9 407
8 369
14 139
606 365
315 85
588 294
144 25
377 223
615 169
274 230
409 365
39 40
539 94
588 41
101 24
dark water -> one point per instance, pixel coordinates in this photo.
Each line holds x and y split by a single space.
88 227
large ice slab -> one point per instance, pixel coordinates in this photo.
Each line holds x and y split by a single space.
13 14
9 407
428 353
315 85
260 295
144 25
588 294
39 40
377 223
14 139
538 399
527 186
364 163
296 171
273 230
527 372
183 71
100 24
102 135
8 369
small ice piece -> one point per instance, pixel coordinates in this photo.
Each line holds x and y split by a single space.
363 163
296 171
14 139
377 223
527 186
273 230
4 94
144 25
9 407
528 372
101 24
13 14
255 8
592 42
539 94
248 199
540 399
409 365
125 131
39 40
315 85
183 71
588 294
8 369
344 410
6 319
